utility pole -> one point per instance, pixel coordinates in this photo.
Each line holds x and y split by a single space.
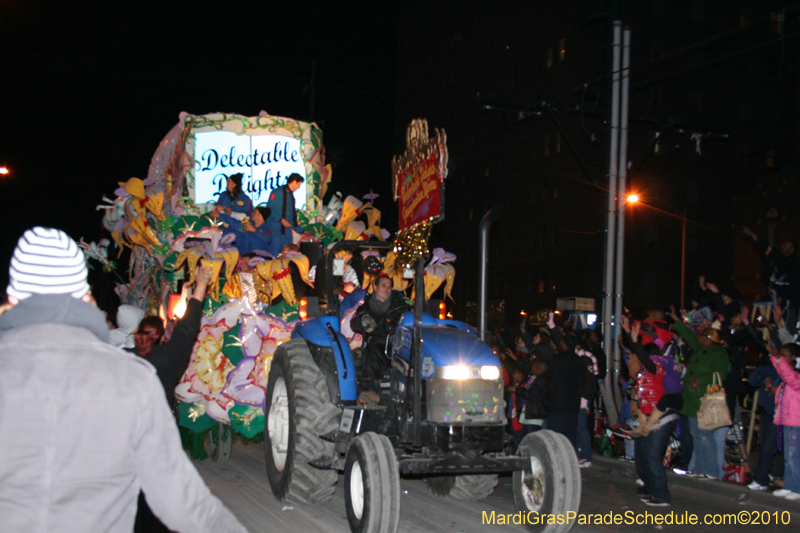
621 190
608 286
615 236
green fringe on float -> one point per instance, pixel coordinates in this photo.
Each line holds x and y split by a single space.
194 443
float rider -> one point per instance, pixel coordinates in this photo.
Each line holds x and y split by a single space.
283 217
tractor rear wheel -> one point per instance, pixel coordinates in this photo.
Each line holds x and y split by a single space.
297 411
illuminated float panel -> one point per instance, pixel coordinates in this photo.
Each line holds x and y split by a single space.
265 149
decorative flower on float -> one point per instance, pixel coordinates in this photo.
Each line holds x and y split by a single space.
126 217
439 270
206 246
277 274
259 336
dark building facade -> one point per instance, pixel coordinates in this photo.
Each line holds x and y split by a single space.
523 92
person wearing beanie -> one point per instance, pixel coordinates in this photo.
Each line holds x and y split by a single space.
128 318
233 201
83 425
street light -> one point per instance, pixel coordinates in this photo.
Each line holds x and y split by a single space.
3 171
681 216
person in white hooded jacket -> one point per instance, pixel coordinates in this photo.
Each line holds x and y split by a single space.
84 425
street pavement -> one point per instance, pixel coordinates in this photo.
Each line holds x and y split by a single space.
609 493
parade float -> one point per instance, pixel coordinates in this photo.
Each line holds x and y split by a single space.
162 224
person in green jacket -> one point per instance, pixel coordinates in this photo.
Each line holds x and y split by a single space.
708 356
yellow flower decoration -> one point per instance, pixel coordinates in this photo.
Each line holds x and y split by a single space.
212 367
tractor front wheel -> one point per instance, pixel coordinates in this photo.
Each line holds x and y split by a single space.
553 485
372 485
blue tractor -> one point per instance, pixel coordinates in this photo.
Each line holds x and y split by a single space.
442 417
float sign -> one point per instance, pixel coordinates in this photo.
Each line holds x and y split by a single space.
265 160
419 193
419 175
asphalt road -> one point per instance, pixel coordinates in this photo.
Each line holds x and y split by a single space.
608 487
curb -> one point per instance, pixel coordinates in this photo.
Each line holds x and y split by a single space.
739 493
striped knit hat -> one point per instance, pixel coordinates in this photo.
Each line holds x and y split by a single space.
47 261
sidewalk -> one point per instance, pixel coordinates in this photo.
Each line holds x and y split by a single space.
734 491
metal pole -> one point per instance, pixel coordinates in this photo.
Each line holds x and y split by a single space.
419 305
608 287
486 223
623 175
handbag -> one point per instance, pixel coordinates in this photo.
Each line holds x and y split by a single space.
714 411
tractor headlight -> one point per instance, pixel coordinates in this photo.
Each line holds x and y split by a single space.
490 372
453 372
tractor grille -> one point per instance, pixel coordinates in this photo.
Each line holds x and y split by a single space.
464 401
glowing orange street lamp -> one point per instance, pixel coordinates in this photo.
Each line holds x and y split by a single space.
3 171
632 199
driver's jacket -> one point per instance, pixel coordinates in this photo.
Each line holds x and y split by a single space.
386 324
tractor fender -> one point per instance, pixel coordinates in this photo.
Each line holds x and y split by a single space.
334 359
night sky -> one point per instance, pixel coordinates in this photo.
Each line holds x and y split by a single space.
90 89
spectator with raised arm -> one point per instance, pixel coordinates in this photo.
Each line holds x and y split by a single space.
708 357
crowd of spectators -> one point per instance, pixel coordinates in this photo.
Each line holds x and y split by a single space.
672 360
553 373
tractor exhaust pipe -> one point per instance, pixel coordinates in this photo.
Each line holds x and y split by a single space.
486 224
